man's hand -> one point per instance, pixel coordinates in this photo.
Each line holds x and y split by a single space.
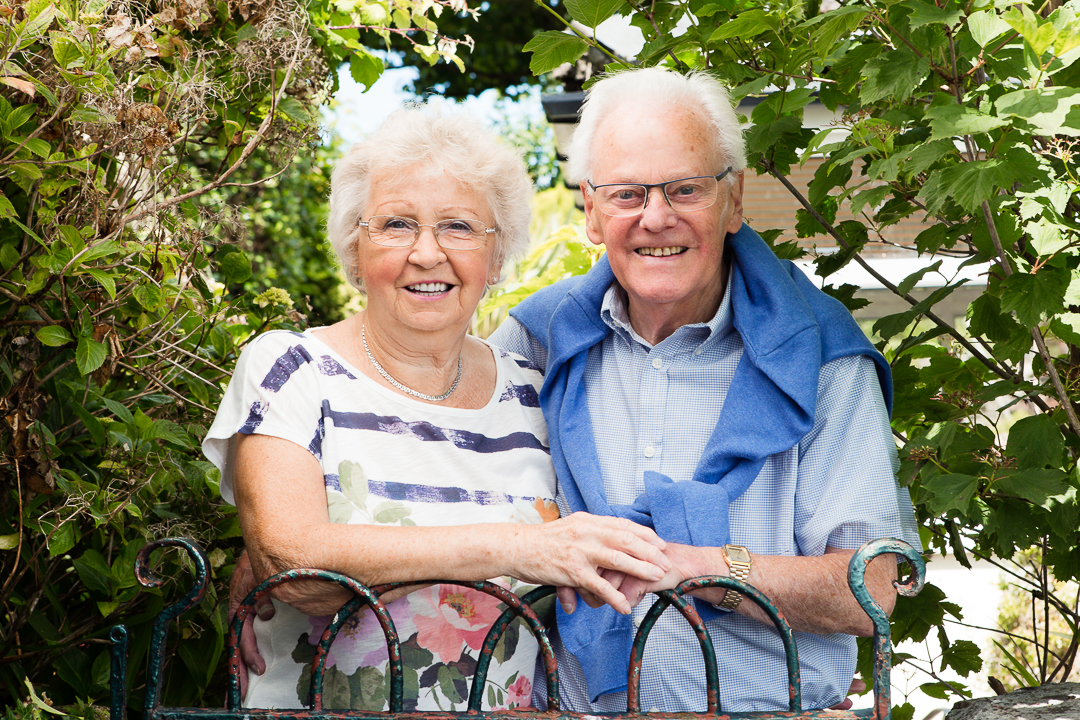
243 581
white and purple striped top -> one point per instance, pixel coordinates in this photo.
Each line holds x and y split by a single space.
388 459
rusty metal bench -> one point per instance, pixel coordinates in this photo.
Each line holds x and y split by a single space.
516 607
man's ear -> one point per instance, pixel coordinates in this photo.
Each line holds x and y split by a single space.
735 220
592 216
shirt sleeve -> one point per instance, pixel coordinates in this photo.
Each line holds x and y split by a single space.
513 336
274 392
847 490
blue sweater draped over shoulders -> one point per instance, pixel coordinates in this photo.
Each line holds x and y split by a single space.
789 329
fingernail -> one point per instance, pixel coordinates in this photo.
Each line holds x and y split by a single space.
258 670
265 612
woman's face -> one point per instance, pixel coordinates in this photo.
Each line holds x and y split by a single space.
425 286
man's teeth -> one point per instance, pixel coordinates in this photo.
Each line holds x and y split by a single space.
661 252
430 287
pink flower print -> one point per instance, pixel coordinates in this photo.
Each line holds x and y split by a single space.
451 616
519 693
361 631
319 623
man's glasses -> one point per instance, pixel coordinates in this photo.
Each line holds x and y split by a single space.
395 231
682 195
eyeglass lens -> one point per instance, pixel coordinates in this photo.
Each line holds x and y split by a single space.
457 234
684 195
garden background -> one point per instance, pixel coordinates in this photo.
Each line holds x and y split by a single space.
164 172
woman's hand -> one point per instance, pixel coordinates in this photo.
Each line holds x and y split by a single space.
587 553
243 582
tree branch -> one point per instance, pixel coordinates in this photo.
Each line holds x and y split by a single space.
1048 361
963 341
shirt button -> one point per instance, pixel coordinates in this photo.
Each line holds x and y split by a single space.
697 351
657 363
650 451
637 621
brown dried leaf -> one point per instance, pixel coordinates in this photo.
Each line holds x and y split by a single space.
119 35
42 484
133 55
23 85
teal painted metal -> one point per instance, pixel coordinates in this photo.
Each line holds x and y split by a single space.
882 632
516 607
118 684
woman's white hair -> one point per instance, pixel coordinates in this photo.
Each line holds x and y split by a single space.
456 144
696 92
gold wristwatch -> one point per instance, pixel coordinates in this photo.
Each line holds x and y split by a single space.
738 560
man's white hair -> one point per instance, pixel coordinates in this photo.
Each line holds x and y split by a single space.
625 91
423 138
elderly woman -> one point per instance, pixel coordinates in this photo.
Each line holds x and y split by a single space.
393 446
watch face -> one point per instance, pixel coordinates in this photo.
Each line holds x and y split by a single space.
737 553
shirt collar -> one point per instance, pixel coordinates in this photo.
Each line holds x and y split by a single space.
614 310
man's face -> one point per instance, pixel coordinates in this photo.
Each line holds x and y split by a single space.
685 285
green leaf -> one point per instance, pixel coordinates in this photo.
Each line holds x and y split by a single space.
365 68
149 296
908 284
948 121
105 280
63 539
1034 295
748 24
95 572
761 138
54 336
292 109
985 318
986 26
969 183
1045 108
1038 33
6 209
1047 237
593 12
928 14
835 25
1036 442
91 423
551 49
9 542
119 411
1033 485
926 154
950 492
89 355
895 74
963 656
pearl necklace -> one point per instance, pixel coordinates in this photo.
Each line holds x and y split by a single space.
403 388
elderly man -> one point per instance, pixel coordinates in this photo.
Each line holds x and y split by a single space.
696 384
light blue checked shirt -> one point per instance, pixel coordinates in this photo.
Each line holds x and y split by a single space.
654 408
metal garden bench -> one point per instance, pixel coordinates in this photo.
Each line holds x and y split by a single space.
516 607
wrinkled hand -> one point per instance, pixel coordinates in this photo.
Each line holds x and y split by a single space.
685 562
574 553
243 581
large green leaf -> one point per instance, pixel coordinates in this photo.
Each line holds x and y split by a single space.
1033 296
962 656
923 13
1045 108
1040 34
970 183
593 12
896 75
748 24
948 121
95 572
1033 485
985 26
950 492
551 49
89 355
1036 442
53 336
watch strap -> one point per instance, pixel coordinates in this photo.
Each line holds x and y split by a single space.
740 570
